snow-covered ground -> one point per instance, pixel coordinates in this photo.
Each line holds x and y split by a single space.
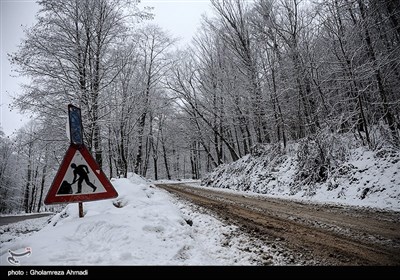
143 226
365 178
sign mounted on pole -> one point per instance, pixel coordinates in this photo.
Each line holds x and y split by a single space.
79 177
75 125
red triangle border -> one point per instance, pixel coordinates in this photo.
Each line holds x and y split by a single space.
52 197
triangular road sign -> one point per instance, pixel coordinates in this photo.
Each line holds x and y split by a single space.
79 179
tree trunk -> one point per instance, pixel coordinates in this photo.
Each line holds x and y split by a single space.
110 152
165 158
28 180
377 72
42 183
139 160
34 190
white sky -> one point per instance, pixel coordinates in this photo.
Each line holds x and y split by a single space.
179 17
14 15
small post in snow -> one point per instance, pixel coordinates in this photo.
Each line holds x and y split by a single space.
80 209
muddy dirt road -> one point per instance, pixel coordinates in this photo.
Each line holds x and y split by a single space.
313 234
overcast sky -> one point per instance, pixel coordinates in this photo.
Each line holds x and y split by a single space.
180 17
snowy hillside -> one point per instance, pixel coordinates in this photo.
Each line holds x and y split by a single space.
331 169
143 226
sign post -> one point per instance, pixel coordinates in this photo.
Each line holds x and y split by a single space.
79 177
76 135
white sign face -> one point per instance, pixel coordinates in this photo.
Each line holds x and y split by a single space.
79 178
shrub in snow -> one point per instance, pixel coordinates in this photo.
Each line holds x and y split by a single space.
320 156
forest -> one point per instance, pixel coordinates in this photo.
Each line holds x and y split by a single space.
263 72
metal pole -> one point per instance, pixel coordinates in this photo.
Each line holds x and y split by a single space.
80 209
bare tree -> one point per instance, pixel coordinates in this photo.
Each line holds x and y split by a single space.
68 57
10 192
154 45
235 32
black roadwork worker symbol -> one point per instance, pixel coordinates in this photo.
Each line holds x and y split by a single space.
65 188
82 171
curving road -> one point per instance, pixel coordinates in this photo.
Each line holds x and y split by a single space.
314 234
13 219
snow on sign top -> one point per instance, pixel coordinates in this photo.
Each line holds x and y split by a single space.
79 179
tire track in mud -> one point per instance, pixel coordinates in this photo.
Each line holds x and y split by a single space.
314 234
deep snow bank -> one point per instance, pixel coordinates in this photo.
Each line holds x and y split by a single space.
142 226
330 169
125 230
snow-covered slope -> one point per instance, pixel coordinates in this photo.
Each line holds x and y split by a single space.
319 170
